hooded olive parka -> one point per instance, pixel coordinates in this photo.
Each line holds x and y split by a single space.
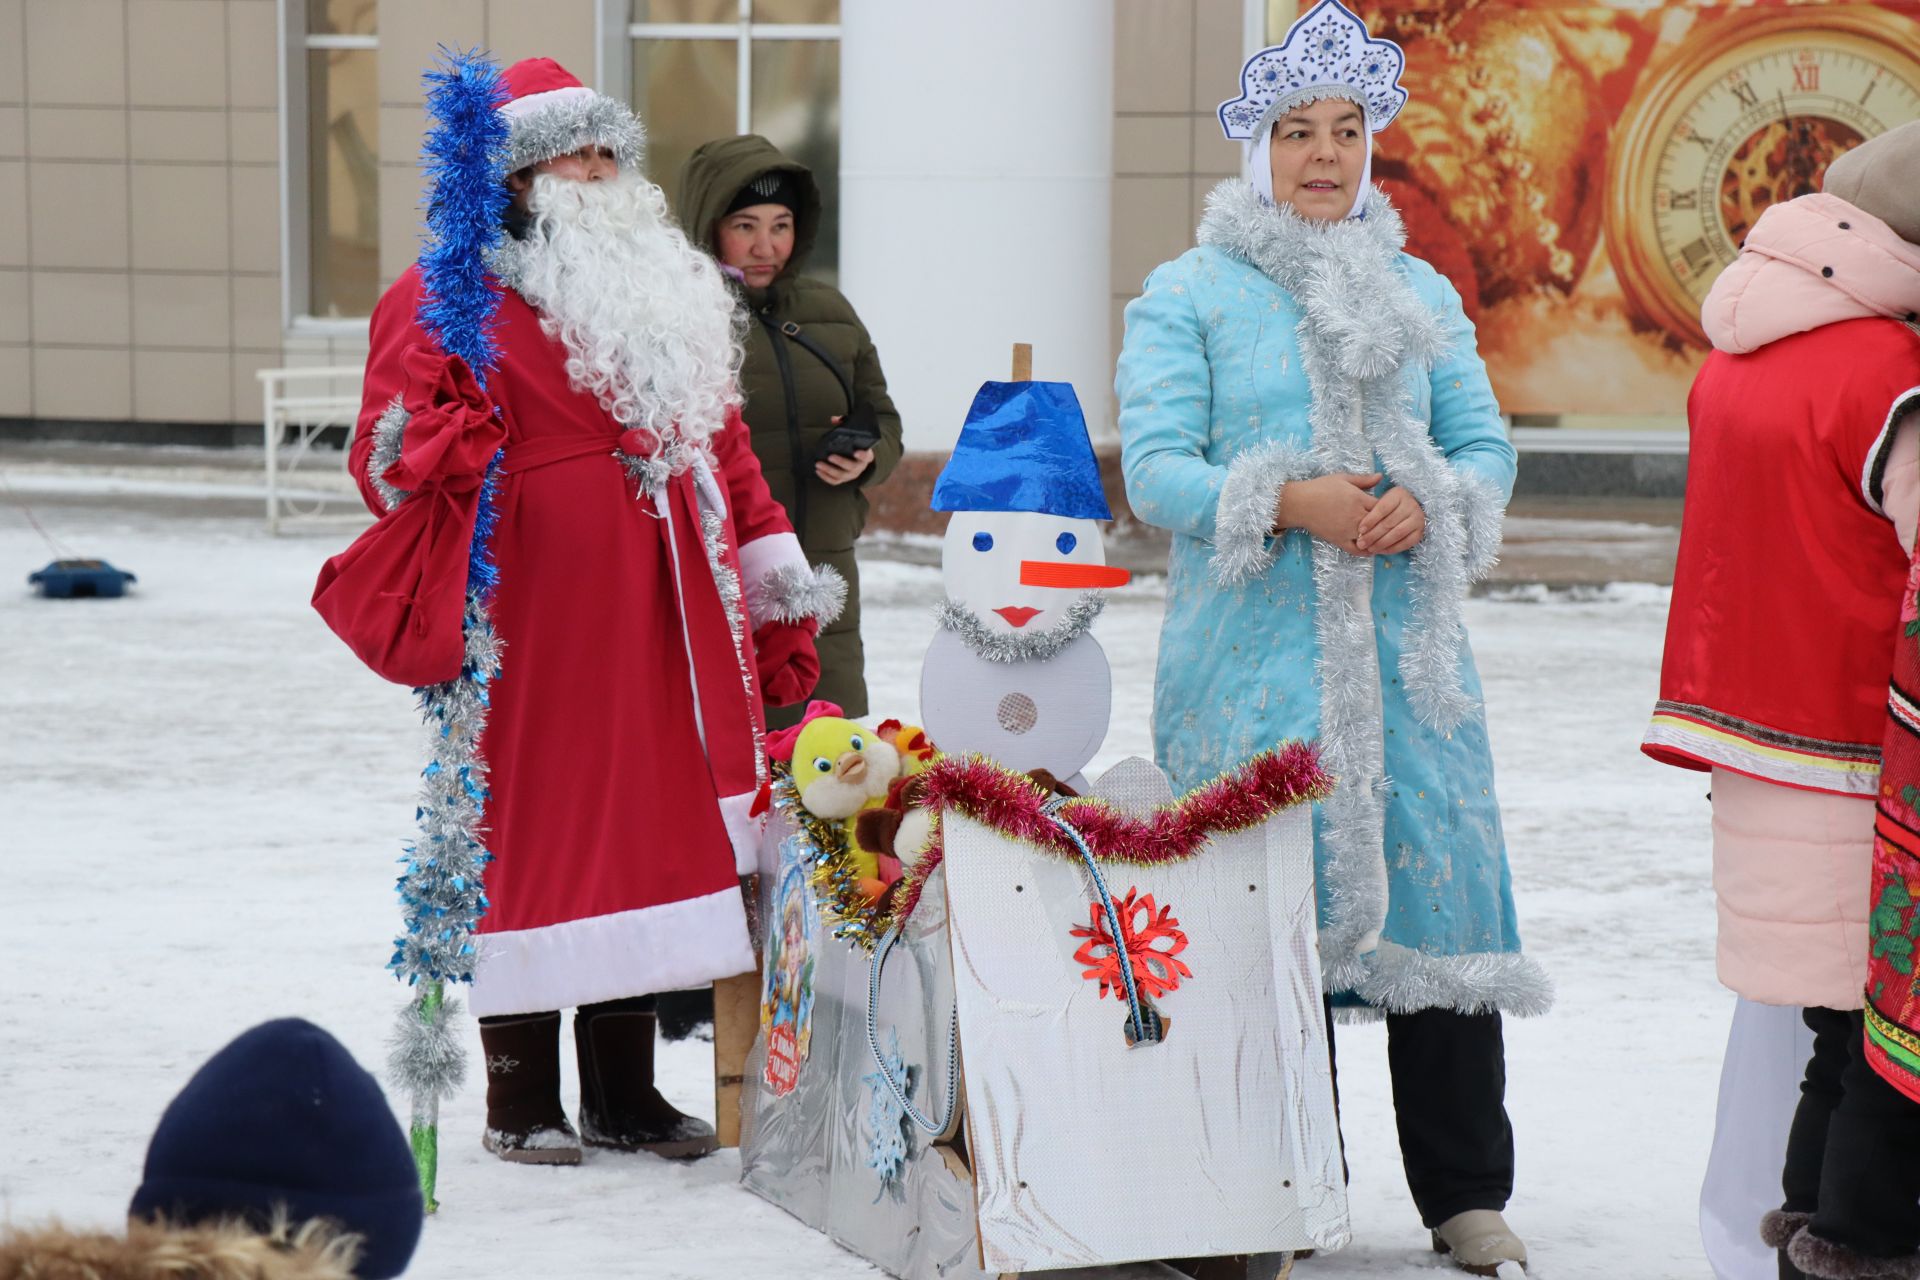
792 396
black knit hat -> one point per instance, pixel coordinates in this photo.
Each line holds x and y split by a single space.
775 186
283 1116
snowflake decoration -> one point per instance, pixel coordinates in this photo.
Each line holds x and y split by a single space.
888 1150
1154 943
1327 53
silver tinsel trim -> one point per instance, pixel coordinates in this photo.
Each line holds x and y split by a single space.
791 592
448 857
1402 980
649 474
713 528
1486 515
995 646
388 429
425 1058
565 127
1363 324
1244 546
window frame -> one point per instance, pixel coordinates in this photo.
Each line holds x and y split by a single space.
744 31
296 133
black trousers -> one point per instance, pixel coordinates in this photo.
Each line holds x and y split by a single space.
1449 1103
1850 1152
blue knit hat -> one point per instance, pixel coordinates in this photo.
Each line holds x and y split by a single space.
285 1116
1024 448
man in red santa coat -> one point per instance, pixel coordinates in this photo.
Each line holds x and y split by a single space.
650 591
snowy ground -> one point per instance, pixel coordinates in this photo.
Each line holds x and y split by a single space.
200 791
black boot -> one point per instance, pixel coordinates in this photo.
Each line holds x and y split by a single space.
619 1107
685 1013
525 1121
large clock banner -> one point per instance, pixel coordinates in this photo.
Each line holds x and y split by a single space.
1583 171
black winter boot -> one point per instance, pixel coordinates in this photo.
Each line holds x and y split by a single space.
619 1107
685 1013
525 1121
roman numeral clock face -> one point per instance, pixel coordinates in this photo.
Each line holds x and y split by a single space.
1746 114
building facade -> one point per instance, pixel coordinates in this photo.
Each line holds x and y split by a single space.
195 190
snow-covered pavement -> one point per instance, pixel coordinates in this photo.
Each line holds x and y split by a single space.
201 793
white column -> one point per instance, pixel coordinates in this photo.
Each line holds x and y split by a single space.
976 176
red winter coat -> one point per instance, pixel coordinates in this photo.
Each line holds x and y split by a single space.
623 736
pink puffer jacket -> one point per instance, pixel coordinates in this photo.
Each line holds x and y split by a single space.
1790 867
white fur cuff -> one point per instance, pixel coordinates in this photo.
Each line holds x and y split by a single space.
1484 515
1243 546
790 592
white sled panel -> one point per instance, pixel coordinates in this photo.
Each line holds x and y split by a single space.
1222 1139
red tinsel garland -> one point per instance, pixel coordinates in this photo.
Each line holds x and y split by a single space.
1011 803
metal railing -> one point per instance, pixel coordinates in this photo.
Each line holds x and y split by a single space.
305 431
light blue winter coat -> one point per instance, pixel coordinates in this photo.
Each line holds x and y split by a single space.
1231 383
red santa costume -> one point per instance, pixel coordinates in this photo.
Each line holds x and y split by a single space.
648 586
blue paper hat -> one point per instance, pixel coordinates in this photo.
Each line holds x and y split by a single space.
1024 448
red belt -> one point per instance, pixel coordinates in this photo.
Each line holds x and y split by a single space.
530 455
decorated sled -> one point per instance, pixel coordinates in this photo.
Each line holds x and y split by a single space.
979 1079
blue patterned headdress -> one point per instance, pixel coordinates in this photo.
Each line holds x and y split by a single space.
1327 54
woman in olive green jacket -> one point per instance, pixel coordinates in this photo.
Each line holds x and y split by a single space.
808 362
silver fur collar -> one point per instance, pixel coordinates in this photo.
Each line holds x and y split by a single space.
1363 326
997 646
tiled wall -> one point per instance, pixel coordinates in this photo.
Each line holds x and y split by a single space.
1174 62
139 198
139 189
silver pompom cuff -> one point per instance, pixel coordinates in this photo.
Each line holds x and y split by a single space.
1400 979
388 430
791 592
425 1057
569 125
1244 545
1484 512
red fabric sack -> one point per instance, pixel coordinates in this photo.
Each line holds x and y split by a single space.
397 595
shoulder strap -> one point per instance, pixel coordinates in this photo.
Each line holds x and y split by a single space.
795 332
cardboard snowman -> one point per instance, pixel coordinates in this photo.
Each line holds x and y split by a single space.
1014 673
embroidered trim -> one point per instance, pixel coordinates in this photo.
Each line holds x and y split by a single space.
1694 736
995 646
567 126
1244 545
792 592
388 430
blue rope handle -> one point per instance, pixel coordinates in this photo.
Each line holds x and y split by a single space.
874 969
1143 1024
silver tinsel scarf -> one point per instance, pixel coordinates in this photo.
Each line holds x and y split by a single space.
996 646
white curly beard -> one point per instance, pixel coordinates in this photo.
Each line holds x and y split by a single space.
650 328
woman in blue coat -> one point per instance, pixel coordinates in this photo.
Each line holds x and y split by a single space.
1301 404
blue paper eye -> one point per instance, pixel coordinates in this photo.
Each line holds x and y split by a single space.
823 764
857 742
1066 542
983 542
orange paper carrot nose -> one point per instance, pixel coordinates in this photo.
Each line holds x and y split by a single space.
1057 573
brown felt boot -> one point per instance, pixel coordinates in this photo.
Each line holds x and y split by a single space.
619 1107
525 1121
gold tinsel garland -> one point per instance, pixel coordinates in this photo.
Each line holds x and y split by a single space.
845 908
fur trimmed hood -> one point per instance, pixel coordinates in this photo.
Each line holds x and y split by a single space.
152 1251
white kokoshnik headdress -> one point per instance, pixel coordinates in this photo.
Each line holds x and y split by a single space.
1328 53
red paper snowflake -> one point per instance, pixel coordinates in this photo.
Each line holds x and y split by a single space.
1154 941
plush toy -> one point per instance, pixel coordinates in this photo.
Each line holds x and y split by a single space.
898 830
840 770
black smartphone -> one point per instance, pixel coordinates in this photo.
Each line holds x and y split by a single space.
858 429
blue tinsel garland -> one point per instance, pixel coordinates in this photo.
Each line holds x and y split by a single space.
442 891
